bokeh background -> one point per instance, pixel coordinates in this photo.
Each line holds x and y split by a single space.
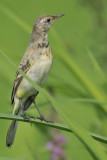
77 80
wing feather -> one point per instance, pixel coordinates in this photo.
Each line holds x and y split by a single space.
24 66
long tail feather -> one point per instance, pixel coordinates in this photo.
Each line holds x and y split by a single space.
13 126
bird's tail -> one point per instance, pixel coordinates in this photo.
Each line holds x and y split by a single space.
13 125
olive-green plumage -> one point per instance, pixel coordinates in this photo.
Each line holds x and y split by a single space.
36 63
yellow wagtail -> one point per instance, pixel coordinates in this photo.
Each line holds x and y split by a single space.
36 63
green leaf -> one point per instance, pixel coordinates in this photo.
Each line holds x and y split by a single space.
85 100
52 125
96 65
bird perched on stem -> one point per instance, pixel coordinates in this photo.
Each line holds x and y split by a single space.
36 63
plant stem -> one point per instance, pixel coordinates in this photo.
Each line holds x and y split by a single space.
52 125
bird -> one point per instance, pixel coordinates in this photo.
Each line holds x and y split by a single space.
36 64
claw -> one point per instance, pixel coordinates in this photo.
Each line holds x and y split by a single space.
43 119
27 118
32 117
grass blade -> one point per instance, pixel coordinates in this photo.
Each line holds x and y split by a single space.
96 65
82 100
52 125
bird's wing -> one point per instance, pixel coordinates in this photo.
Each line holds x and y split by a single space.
24 66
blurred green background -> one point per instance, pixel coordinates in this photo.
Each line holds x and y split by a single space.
77 80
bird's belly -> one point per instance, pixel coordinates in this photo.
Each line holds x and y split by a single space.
38 73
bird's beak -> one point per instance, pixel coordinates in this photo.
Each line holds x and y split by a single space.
58 16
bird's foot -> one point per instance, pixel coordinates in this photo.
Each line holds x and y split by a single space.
32 117
27 118
43 119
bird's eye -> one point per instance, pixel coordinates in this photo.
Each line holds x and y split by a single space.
48 20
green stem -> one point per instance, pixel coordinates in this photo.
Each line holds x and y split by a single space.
52 125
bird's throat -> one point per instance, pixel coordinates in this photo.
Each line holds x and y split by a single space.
39 37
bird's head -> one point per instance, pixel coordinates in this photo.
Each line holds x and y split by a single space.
43 23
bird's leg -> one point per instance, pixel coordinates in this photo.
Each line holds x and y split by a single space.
23 114
41 116
38 109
